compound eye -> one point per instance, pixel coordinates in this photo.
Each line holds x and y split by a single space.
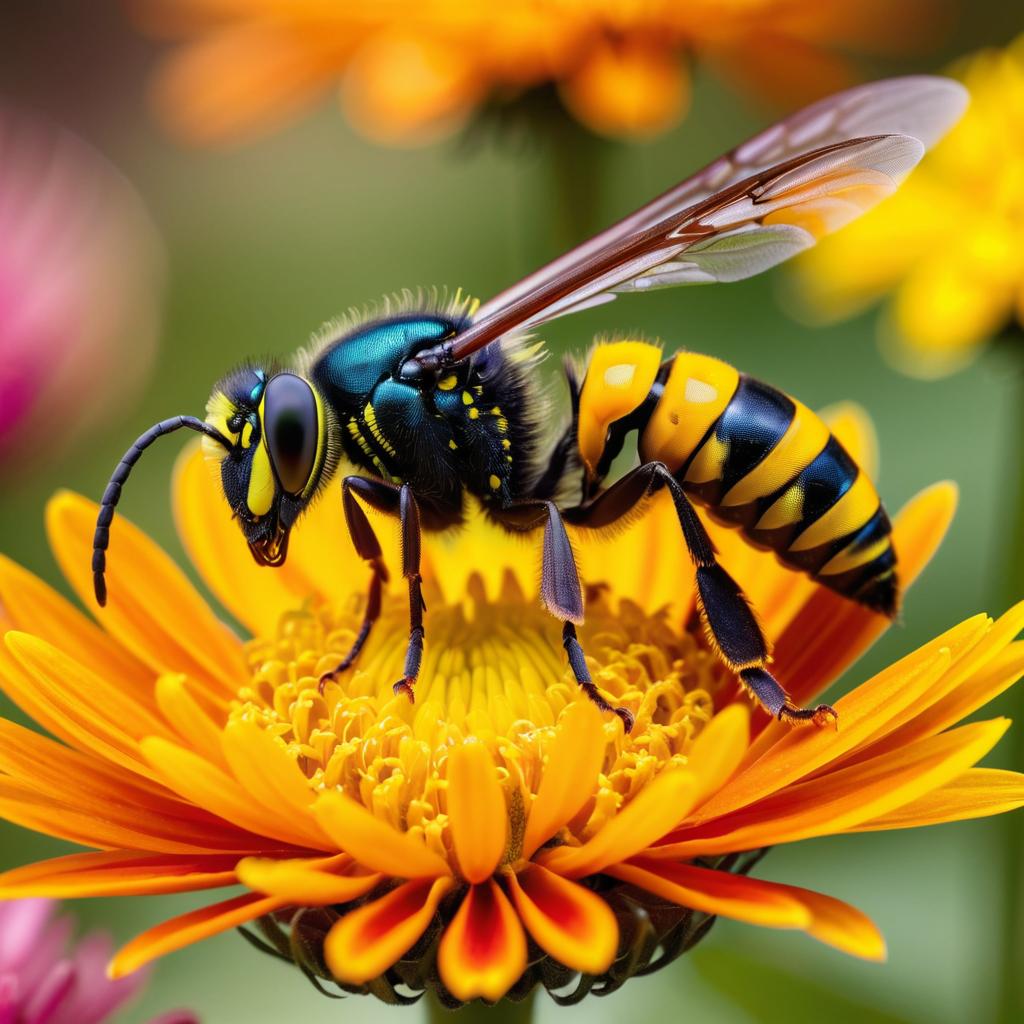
291 430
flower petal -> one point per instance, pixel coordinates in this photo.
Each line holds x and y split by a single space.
652 813
571 923
718 750
190 720
717 892
205 785
477 815
842 798
575 758
374 843
366 942
153 610
977 793
798 752
483 951
306 882
189 928
116 873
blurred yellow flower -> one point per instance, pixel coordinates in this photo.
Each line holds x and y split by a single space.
500 833
414 71
950 243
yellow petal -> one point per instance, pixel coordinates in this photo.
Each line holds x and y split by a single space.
366 942
116 873
309 882
188 718
977 793
477 814
717 892
571 923
152 608
718 750
483 951
205 785
189 928
577 753
646 818
374 843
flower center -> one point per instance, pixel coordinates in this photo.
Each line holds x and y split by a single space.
495 670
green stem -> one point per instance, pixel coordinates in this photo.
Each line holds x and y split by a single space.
1011 1007
505 1012
575 161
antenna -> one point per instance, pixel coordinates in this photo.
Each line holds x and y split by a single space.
112 494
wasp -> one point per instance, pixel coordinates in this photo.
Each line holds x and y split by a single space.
432 402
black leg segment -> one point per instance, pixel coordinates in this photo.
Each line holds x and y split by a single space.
732 625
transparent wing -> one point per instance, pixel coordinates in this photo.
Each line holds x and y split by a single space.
825 165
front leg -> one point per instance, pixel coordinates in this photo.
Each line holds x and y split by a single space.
397 501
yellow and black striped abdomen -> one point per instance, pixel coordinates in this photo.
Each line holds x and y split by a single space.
765 463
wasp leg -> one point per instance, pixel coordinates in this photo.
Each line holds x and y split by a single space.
394 501
560 589
730 620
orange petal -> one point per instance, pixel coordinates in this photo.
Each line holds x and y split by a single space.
843 798
717 892
838 924
116 873
577 753
366 942
189 928
306 882
256 595
570 922
374 843
189 719
152 608
477 814
483 951
977 793
798 752
35 608
646 818
205 785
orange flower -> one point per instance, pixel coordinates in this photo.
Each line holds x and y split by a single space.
409 72
485 837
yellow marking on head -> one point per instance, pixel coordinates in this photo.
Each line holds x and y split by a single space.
467 398
447 383
452 445
219 409
370 416
474 413
799 446
247 434
260 496
495 482
696 393
619 378
786 510
851 512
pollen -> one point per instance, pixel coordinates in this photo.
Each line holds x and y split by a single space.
492 669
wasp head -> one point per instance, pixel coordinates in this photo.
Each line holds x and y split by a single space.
279 453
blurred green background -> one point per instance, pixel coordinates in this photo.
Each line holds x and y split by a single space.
267 241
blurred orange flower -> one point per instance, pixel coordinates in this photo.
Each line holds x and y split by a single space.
413 71
950 245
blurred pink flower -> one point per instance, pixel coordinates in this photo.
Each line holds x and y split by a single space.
42 981
80 274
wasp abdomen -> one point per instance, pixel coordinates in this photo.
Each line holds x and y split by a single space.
763 462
